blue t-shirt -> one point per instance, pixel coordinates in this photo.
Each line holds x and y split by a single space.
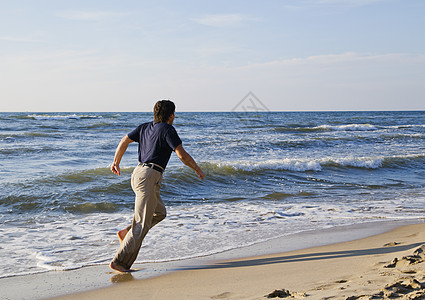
156 142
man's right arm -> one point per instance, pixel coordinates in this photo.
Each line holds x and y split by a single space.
122 147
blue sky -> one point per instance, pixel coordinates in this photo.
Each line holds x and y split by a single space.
207 55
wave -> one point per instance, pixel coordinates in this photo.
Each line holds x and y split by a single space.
281 196
91 207
349 127
320 141
305 164
28 150
324 128
61 117
98 190
393 136
345 127
84 176
82 191
407 126
25 135
99 125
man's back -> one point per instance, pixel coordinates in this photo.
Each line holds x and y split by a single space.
156 142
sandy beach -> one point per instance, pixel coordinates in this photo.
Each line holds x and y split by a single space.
385 266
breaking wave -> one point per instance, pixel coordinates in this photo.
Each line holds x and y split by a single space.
348 127
61 117
304 164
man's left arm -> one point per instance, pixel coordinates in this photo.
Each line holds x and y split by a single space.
188 160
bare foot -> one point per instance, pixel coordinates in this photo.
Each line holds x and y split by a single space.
121 234
118 268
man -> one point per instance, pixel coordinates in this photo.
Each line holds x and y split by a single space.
157 140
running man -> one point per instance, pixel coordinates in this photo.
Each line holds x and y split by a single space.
157 140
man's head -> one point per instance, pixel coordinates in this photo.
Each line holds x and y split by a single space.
163 110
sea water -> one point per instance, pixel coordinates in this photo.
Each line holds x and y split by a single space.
268 174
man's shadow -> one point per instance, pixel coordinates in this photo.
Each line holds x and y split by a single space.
303 257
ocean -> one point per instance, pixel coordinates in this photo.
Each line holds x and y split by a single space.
268 175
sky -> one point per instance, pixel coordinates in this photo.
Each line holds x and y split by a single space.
290 55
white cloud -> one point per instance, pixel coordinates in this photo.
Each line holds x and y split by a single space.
223 20
91 15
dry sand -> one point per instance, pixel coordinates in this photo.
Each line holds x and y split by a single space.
384 266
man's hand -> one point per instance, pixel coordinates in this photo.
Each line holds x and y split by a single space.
188 160
200 174
115 168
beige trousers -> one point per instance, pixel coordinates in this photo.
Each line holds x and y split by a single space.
149 210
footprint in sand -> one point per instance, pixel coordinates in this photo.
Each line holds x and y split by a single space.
222 295
392 264
284 294
403 287
417 257
392 244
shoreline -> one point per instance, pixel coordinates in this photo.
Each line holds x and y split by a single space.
94 279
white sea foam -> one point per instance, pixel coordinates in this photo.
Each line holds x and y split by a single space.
357 162
61 117
277 164
407 126
348 127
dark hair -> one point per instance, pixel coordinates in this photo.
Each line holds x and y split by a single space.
162 111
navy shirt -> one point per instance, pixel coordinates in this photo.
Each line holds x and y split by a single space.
156 142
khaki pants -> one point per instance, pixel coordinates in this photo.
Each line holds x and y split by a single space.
149 210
